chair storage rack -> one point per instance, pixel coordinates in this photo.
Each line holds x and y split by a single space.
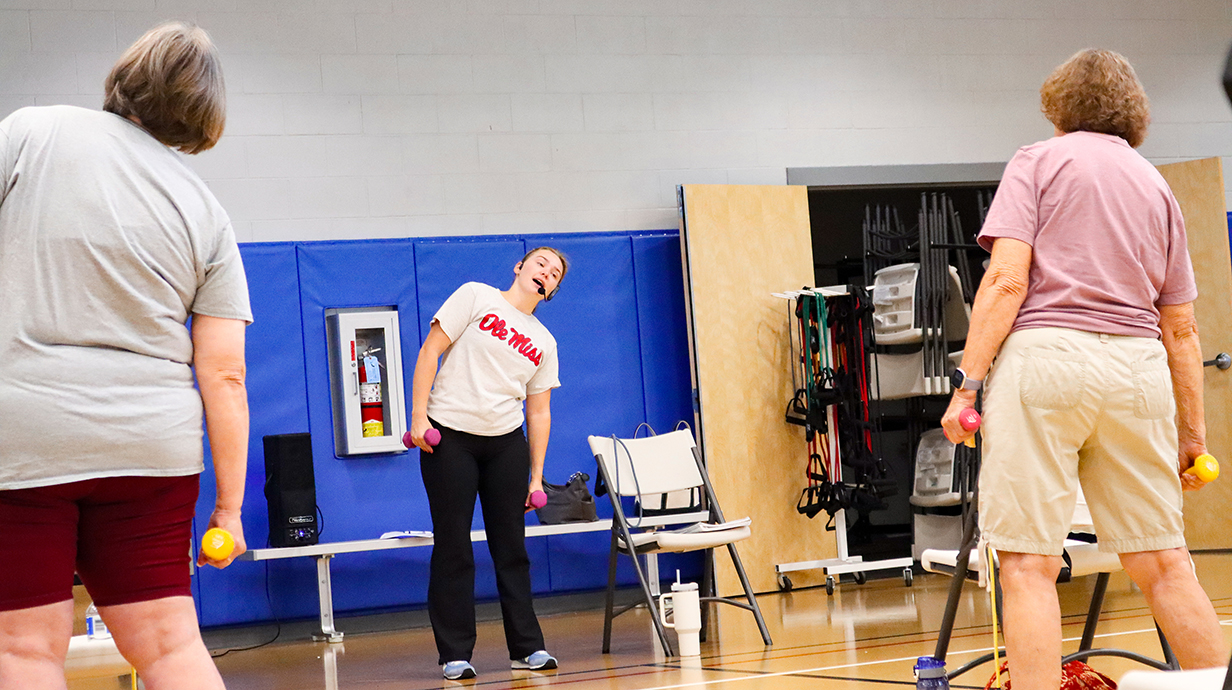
819 412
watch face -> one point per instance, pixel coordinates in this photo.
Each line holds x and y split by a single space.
957 378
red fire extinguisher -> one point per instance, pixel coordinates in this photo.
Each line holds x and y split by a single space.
371 409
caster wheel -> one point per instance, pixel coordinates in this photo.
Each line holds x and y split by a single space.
785 584
908 577
830 585
859 577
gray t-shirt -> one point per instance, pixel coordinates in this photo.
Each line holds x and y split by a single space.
498 357
108 242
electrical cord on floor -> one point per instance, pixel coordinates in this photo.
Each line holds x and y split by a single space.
277 632
269 599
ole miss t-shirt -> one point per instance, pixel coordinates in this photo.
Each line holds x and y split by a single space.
498 357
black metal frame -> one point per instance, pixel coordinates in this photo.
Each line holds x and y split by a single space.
621 531
1085 648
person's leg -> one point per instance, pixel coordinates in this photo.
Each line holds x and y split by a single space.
1032 619
37 550
162 640
133 556
450 476
33 646
1180 606
502 494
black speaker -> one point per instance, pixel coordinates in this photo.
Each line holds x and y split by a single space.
290 490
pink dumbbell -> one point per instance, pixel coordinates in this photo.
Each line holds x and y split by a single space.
432 436
538 499
970 420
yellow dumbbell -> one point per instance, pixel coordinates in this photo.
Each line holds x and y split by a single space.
1205 467
217 544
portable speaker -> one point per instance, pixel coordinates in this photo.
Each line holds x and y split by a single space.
290 490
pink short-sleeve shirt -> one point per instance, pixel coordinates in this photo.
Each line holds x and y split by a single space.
1107 237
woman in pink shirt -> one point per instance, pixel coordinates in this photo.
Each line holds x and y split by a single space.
1087 308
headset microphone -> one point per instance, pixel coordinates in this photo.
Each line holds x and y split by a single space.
546 297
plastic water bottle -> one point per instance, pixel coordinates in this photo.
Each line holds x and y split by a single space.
96 629
930 674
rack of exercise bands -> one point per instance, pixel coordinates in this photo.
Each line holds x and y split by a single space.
833 337
830 334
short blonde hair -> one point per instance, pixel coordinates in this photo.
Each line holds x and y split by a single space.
171 81
1097 91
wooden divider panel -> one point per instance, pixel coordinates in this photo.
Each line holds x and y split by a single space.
740 244
1198 186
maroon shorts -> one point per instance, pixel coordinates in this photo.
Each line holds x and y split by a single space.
127 537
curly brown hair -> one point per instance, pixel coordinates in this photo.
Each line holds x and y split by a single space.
1097 91
171 81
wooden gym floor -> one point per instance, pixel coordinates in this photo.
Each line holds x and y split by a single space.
865 636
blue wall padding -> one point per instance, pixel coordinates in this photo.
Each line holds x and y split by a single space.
619 323
441 266
362 497
658 272
279 405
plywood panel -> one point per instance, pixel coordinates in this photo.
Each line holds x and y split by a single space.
1198 186
742 243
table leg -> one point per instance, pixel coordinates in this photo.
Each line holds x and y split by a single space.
326 595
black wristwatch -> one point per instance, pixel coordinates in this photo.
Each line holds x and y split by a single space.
960 381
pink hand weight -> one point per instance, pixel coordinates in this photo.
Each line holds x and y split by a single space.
538 499
969 419
431 436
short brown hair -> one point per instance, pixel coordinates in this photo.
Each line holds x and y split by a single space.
1097 91
171 81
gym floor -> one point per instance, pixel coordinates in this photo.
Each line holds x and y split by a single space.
864 636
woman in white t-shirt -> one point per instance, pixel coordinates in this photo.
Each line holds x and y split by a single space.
494 355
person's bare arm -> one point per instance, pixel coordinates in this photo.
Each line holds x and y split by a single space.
1001 294
538 429
421 385
218 363
1179 330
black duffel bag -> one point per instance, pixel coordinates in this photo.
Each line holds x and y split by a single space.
570 502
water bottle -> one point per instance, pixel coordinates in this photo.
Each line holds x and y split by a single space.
686 616
96 629
930 674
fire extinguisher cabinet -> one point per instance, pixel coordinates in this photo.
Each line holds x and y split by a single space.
365 374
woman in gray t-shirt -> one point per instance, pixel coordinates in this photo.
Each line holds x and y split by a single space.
108 244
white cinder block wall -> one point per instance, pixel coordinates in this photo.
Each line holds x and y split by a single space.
389 118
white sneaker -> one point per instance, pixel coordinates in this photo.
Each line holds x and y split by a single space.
539 661
459 670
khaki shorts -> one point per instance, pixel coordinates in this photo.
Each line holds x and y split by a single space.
1062 407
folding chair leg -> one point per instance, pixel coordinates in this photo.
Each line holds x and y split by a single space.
707 590
610 599
650 603
1097 605
748 592
956 586
1169 657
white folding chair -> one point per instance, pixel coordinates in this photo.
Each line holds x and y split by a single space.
644 469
